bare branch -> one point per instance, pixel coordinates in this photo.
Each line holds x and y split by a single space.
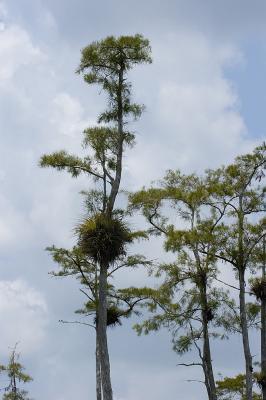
190 364
76 322
86 294
231 286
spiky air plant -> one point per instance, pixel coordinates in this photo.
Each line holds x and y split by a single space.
258 288
103 239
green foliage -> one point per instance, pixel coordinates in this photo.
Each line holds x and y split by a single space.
105 62
105 143
112 53
150 201
63 161
234 388
231 387
22 395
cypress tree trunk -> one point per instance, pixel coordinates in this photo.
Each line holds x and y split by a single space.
116 182
207 361
242 301
245 336
104 354
102 337
206 380
263 327
205 318
98 367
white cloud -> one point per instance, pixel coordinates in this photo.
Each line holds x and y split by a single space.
24 316
43 118
67 115
16 51
14 228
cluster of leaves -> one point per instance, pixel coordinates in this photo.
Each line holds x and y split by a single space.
234 388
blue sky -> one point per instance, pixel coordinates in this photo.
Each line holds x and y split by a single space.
205 98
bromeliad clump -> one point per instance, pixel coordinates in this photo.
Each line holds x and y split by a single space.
258 288
103 239
114 315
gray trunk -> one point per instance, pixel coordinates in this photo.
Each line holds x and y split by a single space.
102 336
263 327
206 359
206 380
245 336
103 345
117 180
206 356
98 368
242 301
263 347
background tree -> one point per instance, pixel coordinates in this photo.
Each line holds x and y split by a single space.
16 375
220 218
194 218
106 63
239 188
234 388
258 287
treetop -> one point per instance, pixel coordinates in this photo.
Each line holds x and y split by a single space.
112 54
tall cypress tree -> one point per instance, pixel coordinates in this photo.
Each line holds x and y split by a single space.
104 237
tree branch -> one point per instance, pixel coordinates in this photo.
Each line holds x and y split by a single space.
76 322
189 365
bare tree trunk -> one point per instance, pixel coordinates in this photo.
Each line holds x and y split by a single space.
98 367
119 157
242 301
103 345
263 325
206 356
102 337
206 359
206 380
245 336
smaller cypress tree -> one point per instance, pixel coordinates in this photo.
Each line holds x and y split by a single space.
15 372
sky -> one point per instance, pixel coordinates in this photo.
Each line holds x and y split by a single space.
204 95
